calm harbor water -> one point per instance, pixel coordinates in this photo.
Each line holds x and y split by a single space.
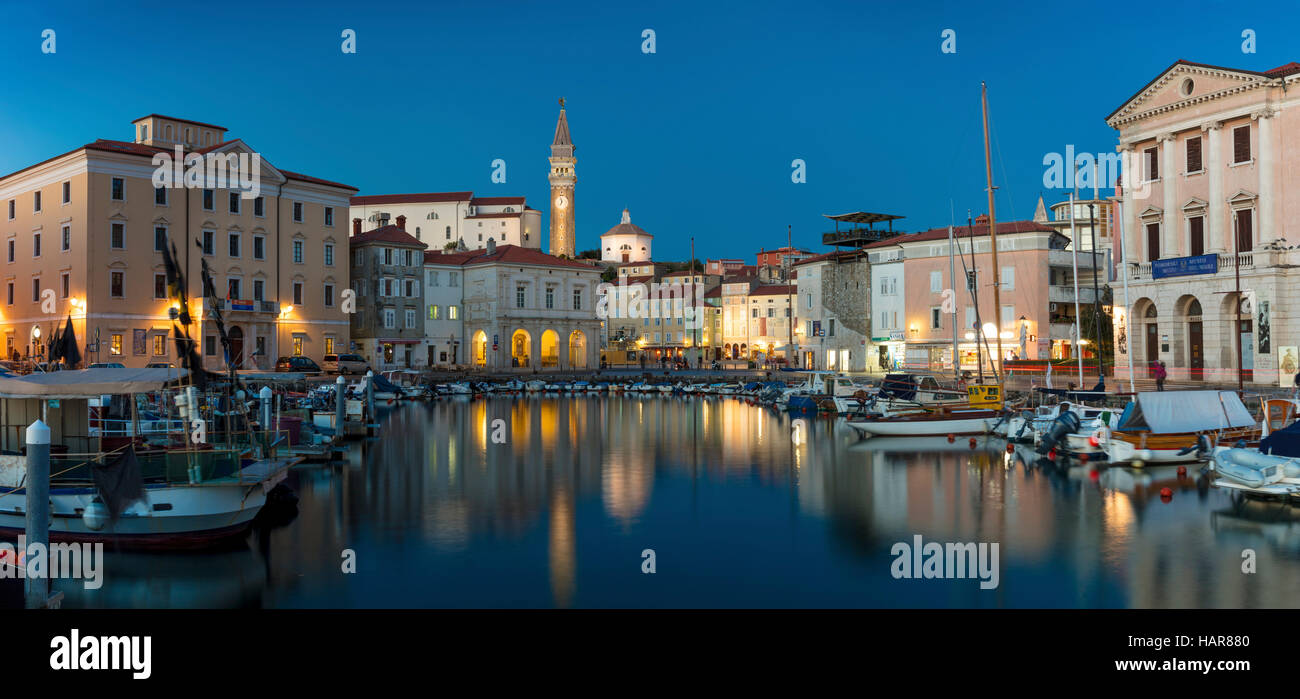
737 514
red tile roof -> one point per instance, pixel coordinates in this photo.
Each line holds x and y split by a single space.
1282 70
714 293
509 254
387 234
515 214
774 290
185 121
132 148
496 201
426 198
833 255
977 231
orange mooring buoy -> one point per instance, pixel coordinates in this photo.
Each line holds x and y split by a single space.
1182 470
951 438
1166 494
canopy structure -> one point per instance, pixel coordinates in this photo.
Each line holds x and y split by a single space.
1163 412
856 235
87 383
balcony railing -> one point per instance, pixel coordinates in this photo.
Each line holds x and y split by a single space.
1245 260
1065 294
241 306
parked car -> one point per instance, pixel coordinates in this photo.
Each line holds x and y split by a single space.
160 365
345 364
108 365
303 365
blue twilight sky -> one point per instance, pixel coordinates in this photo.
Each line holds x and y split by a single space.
696 139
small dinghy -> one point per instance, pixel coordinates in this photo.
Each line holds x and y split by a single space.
1255 472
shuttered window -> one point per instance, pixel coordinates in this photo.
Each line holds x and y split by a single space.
1241 144
1196 233
1153 241
1245 231
1194 155
1153 164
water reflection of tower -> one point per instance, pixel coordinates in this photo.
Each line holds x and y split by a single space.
562 551
628 471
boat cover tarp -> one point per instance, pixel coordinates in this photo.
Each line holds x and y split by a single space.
383 385
119 482
87 383
1283 442
1164 412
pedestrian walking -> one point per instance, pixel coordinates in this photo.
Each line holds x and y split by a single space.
1160 374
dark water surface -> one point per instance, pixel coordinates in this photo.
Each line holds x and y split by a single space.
737 514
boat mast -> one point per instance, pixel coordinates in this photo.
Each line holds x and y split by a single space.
1078 319
1236 314
788 265
952 283
993 236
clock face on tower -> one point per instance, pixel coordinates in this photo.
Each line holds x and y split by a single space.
561 202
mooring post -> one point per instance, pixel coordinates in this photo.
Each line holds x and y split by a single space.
264 397
339 415
370 395
38 509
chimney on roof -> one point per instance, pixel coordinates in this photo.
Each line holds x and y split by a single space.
491 245
356 226
401 222
381 219
982 220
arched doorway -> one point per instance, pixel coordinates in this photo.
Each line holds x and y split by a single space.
1150 335
1237 326
577 350
478 348
1194 337
521 347
550 349
236 336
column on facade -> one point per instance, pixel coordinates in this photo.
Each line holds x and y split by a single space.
1265 201
1215 209
1171 241
1130 222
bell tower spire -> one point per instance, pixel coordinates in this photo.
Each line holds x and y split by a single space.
562 177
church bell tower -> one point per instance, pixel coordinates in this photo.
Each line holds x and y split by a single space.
562 177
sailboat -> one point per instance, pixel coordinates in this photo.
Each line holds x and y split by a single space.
984 411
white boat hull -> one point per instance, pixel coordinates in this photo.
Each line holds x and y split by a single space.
923 428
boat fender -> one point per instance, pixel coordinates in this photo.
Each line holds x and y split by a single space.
95 516
1100 437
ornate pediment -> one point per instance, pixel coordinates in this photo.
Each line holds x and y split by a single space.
1182 85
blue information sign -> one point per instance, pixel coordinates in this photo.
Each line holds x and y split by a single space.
1185 266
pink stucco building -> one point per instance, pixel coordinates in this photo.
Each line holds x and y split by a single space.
1036 317
1208 193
